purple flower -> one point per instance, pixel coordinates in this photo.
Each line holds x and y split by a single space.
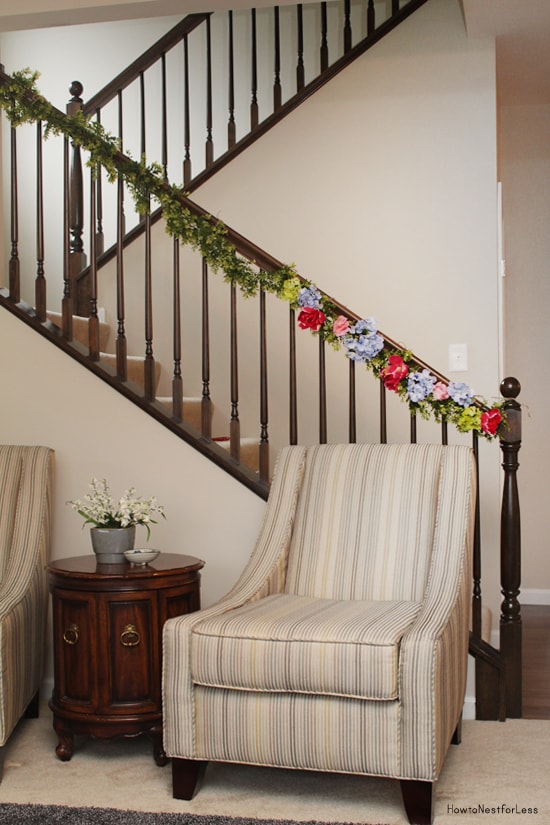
309 297
460 393
420 385
364 347
366 325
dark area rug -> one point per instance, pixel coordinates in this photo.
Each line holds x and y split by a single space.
62 815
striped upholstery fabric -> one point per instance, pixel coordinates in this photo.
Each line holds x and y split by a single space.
304 645
26 477
343 646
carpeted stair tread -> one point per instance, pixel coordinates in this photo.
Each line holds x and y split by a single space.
192 408
250 454
80 329
135 368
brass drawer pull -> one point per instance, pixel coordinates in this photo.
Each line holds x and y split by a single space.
71 634
129 636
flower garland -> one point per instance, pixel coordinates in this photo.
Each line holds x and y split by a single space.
362 342
425 393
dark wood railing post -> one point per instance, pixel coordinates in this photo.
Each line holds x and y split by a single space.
77 258
510 550
14 265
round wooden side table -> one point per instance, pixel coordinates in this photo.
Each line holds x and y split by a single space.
107 634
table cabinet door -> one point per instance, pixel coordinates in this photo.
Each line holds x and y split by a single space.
131 662
75 648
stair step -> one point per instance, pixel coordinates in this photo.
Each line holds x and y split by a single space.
250 454
135 367
80 329
192 409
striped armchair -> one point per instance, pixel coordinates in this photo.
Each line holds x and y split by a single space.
343 646
26 475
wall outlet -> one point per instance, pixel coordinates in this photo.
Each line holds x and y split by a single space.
458 357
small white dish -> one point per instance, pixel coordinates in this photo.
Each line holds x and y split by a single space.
141 556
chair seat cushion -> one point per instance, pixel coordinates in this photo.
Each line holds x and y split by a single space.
305 645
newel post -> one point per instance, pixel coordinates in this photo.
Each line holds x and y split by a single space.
77 258
510 550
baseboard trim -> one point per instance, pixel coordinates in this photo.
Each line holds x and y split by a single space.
534 596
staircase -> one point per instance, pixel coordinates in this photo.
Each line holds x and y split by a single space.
121 263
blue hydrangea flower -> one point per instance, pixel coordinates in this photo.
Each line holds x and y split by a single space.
420 385
364 347
360 327
309 297
460 393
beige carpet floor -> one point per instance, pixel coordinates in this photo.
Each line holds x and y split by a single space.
500 766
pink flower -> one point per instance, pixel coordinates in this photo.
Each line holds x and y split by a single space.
340 326
311 318
490 421
394 372
440 391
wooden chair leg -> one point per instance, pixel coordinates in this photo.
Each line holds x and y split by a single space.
185 776
418 801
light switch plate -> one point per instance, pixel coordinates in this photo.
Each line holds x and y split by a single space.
458 357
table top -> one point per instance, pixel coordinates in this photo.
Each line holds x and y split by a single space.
86 566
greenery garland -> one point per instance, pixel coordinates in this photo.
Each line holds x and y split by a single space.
425 394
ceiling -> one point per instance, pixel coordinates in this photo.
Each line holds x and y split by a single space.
521 29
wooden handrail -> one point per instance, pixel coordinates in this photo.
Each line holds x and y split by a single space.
144 62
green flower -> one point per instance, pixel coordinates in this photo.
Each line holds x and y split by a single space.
469 419
290 290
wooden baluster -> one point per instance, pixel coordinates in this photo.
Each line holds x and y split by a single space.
277 92
347 26
40 282
234 424
413 428
444 431
231 127
187 157
100 238
14 266
142 123
394 6
292 394
352 426
383 416
93 323
77 261
510 549
206 403
149 364
164 119
322 394
121 344
476 567
177 381
324 38
209 142
254 114
371 24
300 71
121 142
264 439
67 300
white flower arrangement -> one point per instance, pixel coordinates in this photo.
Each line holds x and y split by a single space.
99 508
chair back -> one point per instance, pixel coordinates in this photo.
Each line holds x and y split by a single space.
365 520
